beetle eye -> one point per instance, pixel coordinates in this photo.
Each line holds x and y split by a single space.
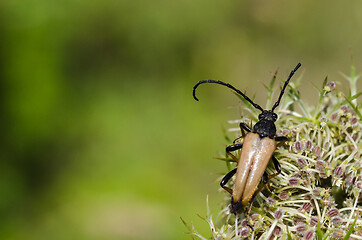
275 116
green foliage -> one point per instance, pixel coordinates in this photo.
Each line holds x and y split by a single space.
320 232
350 230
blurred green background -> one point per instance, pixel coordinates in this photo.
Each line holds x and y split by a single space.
101 138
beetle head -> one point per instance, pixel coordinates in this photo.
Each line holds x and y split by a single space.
268 115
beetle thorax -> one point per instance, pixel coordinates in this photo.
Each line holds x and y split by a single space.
265 128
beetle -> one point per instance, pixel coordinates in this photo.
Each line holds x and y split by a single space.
257 149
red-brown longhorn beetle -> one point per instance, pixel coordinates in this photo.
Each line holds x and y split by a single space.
256 151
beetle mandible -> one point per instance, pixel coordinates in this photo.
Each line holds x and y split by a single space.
256 150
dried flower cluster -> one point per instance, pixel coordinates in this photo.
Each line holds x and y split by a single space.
318 195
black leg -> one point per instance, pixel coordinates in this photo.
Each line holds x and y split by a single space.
281 139
277 167
234 147
242 136
225 180
245 127
265 178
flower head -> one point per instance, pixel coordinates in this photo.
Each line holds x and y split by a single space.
320 187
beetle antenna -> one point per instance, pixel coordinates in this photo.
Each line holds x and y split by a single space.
226 85
285 85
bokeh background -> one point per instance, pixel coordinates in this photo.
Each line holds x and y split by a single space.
100 136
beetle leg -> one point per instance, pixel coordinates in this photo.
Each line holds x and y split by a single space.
277 167
234 147
281 139
243 126
242 136
249 210
266 181
233 157
248 213
226 179
265 178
